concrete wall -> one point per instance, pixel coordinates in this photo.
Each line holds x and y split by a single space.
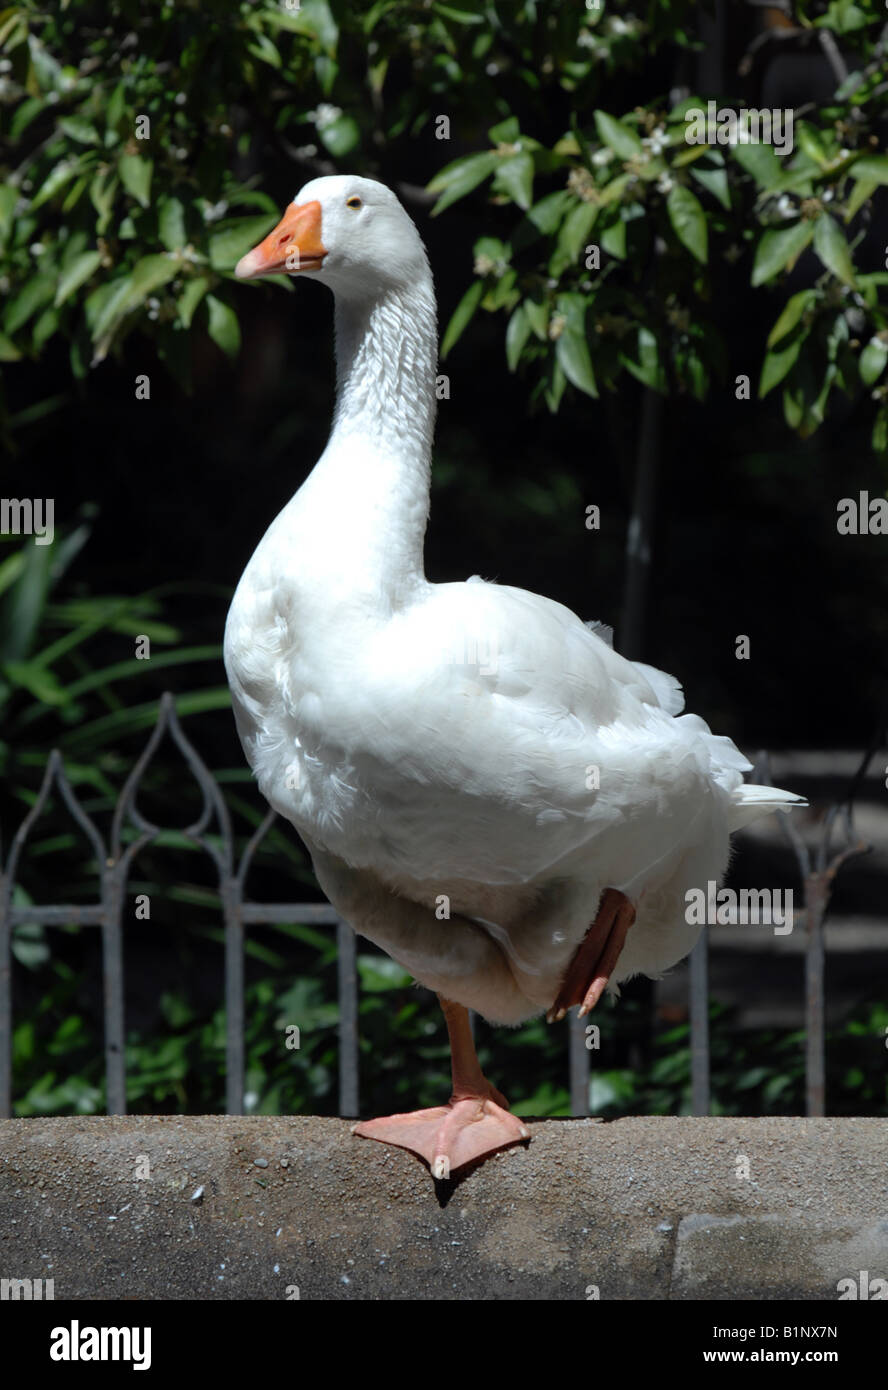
639 1208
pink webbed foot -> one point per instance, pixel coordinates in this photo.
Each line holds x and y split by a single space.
449 1136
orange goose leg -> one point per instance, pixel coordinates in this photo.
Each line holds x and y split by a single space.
475 1122
596 957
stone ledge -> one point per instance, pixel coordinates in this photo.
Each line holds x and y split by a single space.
646 1208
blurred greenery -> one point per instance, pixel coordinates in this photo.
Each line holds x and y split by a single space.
650 213
178 1063
56 686
127 133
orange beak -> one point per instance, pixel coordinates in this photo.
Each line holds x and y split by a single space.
295 244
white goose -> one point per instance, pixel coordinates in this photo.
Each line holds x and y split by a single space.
477 775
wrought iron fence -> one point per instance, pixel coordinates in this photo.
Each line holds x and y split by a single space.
240 912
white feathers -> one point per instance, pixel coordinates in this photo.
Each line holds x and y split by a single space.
669 693
750 802
471 743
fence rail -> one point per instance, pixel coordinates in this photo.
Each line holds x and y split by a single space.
239 912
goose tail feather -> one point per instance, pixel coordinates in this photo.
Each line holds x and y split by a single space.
751 802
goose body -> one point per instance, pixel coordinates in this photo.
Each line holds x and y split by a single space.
471 766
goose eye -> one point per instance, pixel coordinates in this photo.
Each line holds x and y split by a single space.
353 202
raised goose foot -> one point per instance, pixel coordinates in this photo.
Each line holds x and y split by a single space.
596 957
447 1136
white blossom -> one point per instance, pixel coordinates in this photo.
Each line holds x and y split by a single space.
325 114
657 141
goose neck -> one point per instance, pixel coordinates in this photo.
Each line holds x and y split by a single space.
386 355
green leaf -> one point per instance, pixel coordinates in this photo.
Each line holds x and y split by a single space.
777 365
861 193
613 239
646 366
504 294
8 350
9 197
555 385
715 181
224 328
688 220
514 176
843 17
252 198
517 333
574 234
695 372
792 312
102 192
171 223
613 191
62 174
135 175
546 215
76 274
872 360
116 107
36 293
45 327
24 114
780 249
263 48
798 181
74 194
492 248
313 18
760 161
690 155
39 682
379 974
462 315
460 177
571 346
148 274
811 141
340 136
803 401
611 132
872 167
833 249
505 132
97 306
76 128
190 297
231 242
458 16
72 247
537 310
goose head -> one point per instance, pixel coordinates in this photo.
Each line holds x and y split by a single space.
350 233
